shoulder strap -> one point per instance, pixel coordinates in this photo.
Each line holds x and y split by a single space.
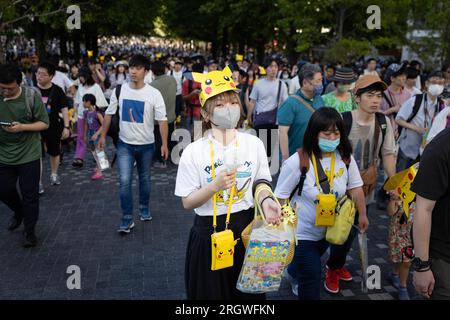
417 103
118 90
278 93
387 99
323 179
190 85
304 167
304 102
348 121
383 126
29 101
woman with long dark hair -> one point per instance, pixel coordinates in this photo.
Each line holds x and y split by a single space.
325 146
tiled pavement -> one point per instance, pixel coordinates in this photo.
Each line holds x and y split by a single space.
77 226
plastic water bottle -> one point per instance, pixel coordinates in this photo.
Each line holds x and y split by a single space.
102 159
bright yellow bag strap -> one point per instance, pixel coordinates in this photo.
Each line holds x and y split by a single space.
214 198
331 178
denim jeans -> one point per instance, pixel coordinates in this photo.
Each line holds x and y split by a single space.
306 267
403 162
127 154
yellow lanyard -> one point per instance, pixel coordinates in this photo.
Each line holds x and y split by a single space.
330 179
214 198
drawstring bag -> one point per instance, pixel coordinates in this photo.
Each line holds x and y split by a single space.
269 250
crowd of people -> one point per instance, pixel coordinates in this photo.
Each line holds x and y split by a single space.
355 123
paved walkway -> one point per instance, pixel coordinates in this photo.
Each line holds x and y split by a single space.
77 226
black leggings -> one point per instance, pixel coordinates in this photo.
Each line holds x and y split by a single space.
25 203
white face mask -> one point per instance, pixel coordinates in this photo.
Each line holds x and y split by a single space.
435 89
226 118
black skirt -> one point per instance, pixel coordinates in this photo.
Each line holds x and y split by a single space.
201 282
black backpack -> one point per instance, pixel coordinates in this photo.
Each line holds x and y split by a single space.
348 121
114 128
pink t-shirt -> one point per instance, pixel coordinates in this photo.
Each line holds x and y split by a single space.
395 99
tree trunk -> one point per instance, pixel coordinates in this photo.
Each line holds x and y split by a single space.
224 42
40 36
63 44
76 45
341 22
260 52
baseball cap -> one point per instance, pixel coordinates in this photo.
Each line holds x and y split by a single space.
368 80
395 69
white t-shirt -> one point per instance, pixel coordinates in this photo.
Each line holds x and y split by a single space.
138 109
61 80
178 77
290 176
194 171
295 85
96 91
439 123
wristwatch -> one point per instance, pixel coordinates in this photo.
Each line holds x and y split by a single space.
420 266
66 127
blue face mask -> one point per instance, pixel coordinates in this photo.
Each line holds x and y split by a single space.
318 89
328 145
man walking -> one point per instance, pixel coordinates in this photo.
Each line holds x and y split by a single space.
23 115
139 105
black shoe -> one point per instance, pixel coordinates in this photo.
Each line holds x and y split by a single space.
29 240
14 223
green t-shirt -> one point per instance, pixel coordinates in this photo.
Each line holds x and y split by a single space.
22 147
330 100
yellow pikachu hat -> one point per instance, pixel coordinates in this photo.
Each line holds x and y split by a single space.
214 83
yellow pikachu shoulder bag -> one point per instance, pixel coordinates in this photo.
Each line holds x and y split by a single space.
222 243
344 219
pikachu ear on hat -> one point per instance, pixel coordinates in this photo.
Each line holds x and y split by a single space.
227 71
198 77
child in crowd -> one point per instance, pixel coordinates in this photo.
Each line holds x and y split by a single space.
400 244
93 120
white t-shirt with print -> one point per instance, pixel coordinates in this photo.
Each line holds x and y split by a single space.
194 171
138 109
95 90
290 176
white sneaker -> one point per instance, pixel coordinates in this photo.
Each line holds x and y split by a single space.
55 180
292 281
41 188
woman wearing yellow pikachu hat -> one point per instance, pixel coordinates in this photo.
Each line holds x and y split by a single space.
217 178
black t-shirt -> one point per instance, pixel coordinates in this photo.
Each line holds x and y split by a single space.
433 182
54 100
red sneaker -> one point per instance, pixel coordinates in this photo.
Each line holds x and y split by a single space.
344 274
331 283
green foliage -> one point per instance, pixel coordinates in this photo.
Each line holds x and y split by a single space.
347 51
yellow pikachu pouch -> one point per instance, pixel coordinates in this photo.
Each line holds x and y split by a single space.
222 250
325 210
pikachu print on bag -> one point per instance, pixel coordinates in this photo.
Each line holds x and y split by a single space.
325 210
222 250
